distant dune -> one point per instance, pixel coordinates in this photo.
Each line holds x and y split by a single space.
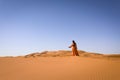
61 65
65 53
62 53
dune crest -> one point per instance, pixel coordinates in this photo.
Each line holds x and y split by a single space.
62 53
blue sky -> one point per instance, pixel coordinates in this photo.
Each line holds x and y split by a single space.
28 26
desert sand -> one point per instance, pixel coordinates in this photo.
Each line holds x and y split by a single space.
60 65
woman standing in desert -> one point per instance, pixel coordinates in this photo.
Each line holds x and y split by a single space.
74 48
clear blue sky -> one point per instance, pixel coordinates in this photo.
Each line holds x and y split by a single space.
28 26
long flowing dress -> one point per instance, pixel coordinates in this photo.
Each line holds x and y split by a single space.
74 49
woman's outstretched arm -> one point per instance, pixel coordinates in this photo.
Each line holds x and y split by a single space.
70 46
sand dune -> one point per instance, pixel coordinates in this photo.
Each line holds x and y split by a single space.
60 65
62 53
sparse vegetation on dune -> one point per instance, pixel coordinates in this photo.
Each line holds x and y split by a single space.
66 53
63 53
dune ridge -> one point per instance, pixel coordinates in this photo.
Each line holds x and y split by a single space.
61 53
65 53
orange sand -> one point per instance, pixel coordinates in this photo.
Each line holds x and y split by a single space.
59 68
